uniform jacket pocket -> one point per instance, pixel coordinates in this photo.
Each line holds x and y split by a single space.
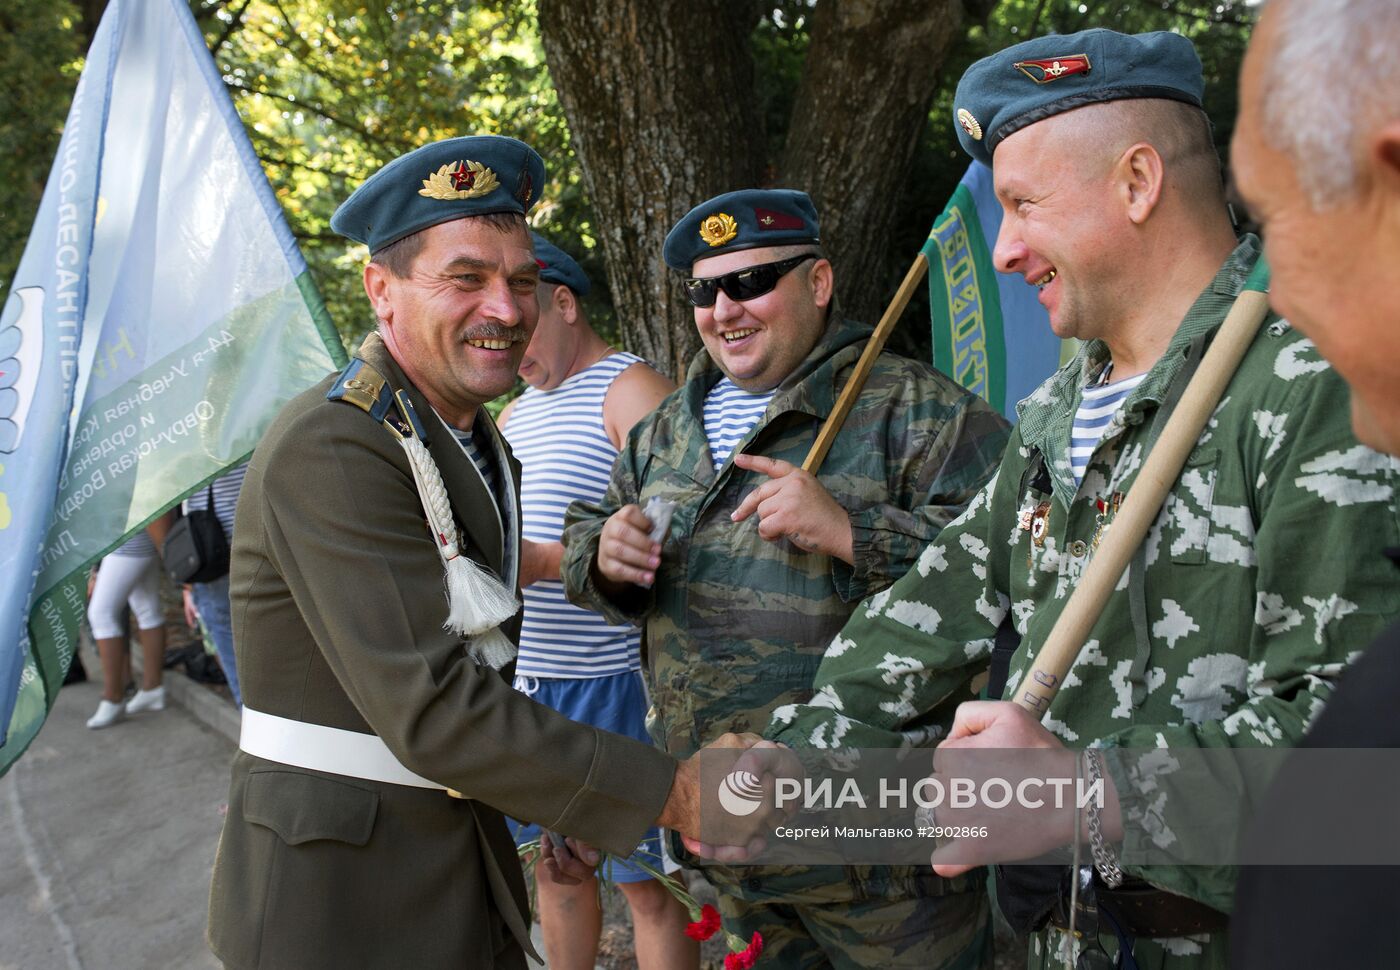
303 807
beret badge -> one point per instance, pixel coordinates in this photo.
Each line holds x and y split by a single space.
718 229
465 180
969 124
1054 68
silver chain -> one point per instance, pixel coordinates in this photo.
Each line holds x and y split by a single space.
1104 860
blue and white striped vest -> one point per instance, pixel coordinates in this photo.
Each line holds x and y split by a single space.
565 454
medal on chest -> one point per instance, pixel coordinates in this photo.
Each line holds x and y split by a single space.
1036 521
1106 510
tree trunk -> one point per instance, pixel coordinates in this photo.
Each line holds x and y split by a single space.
868 83
661 108
659 100
89 16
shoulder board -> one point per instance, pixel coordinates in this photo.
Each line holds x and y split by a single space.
363 386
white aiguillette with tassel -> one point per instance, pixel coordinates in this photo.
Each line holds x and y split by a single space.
478 601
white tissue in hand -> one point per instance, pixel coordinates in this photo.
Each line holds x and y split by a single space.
659 511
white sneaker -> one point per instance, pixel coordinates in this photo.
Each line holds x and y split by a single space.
147 700
108 713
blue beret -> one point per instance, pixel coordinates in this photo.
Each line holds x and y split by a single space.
452 179
746 219
557 266
1038 79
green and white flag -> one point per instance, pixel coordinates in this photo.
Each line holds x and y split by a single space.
990 332
161 315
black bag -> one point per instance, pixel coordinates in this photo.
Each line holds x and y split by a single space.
196 549
199 666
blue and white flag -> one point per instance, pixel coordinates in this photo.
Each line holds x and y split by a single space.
990 332
160 316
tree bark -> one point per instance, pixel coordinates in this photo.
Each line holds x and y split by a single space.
868 83
659 100
662 112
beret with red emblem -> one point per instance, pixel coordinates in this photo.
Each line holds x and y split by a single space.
1038 79
746 219
471 176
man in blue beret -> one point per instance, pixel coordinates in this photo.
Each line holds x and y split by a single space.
763 562
566 429
1258 578
374 586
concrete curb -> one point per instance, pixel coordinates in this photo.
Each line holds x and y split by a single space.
205 706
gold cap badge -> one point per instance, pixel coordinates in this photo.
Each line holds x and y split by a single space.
969 124
465 180
718 229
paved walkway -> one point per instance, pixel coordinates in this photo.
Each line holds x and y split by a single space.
107 841
107 837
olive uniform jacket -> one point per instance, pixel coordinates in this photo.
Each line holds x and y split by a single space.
338 610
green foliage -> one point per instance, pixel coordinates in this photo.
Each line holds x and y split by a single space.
779 43
332 89
40 59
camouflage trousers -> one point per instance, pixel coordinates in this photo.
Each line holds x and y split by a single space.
839 927
1049 951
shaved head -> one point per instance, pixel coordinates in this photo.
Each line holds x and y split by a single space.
1179 132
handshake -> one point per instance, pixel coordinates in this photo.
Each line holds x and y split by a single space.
725 836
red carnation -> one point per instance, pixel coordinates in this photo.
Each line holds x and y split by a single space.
747 957
707 926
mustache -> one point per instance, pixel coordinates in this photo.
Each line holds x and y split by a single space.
494 331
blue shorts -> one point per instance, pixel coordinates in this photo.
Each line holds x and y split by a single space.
614 703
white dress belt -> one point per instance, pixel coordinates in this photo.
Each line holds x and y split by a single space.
327 749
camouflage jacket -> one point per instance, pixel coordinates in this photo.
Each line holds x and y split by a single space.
1260 580
735 624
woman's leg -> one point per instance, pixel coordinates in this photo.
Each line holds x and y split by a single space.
144 598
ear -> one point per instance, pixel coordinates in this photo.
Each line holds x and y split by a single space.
823 283
1383 157
1138 176
377 280
567 304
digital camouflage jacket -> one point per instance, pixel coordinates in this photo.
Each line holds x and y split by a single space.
1260 580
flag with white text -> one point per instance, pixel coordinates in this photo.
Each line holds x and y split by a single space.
160 316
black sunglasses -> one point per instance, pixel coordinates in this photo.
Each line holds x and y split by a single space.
742 284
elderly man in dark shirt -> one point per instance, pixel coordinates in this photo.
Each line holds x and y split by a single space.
1317 159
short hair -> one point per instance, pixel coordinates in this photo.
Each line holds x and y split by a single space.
1333 74
802 249
798 249
398 256
544 294
1180 132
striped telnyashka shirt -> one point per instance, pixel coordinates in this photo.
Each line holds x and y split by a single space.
226 489
565 454
1096 409
730 414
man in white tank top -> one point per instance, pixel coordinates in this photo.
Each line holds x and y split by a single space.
566 431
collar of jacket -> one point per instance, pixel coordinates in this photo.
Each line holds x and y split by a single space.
810 389
476 510
1047 415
